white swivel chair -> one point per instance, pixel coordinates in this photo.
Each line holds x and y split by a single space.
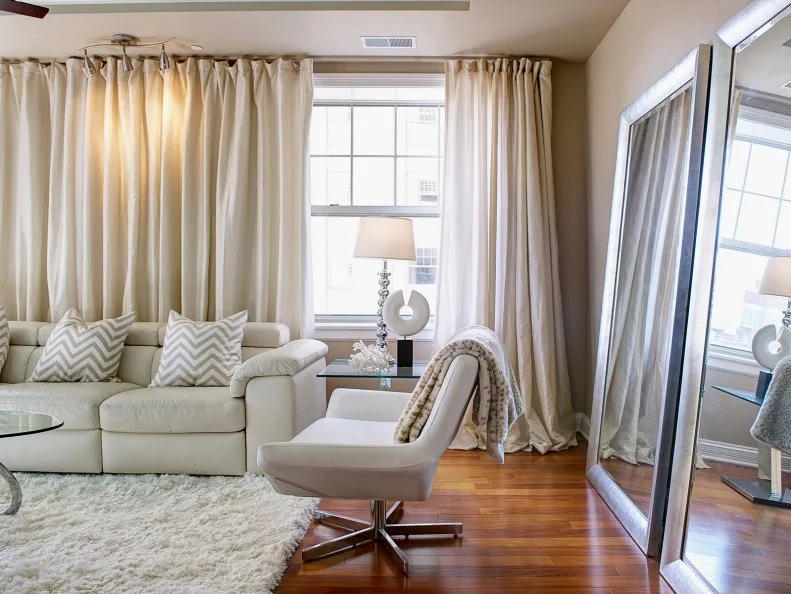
350 454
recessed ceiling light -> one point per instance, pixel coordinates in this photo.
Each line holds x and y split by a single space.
197 48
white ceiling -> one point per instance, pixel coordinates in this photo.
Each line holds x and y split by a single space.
765 64
565 29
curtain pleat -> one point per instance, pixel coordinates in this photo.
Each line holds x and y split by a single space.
499 254
154 190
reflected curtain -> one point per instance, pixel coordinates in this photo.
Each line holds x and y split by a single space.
153 190
499 253
646 284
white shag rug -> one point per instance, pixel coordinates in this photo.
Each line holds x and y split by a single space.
148 533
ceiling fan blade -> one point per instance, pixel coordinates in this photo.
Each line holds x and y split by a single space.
23 8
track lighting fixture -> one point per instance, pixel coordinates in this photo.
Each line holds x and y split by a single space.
88 67
164 61
125 41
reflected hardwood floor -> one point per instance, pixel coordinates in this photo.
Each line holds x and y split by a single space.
634 479
531 525
736 545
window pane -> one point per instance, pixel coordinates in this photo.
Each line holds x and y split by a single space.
331 131
783 237
729 212
737 164
374 181
738 310
766 170
418 182
418 130
395 94
757 219
374 130
330 180
345 285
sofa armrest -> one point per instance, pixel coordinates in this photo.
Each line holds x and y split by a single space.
367 405
288 360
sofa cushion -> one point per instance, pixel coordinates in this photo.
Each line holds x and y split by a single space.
16 364
76 403
173 410
77 351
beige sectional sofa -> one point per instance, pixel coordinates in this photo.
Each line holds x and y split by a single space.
126 427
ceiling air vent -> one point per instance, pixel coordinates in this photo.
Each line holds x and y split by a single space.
389 42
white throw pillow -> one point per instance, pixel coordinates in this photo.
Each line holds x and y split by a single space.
78 351
200 353
5 336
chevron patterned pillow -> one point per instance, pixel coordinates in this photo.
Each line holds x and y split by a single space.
5 336
78 351
200 353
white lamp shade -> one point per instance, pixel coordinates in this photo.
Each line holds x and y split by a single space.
777 277
385 238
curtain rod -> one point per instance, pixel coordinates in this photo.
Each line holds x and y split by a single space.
317 59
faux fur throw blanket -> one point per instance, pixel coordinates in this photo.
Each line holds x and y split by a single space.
497 403
773 424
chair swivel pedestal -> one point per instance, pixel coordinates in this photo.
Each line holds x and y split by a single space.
383 526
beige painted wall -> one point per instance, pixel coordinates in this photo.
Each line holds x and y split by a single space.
646 41
569 153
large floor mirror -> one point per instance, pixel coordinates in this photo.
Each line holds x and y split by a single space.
729 513
646 294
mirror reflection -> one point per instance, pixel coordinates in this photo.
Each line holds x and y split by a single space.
645 293
739 523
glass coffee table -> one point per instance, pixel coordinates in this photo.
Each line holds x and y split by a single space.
21 422
341 368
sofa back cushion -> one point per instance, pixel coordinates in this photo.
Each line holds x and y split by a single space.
138 365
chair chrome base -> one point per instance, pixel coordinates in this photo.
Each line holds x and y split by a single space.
382 527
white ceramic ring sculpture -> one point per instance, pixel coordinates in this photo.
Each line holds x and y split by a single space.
764 341
401 325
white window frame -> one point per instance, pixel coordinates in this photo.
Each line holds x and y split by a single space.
728 359
353 327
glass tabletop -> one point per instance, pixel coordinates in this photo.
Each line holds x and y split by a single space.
741 394
341 368
22 422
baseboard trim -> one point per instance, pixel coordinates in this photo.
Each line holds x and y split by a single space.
731 453
582 425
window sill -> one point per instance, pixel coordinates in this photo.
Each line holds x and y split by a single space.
732 361
365 331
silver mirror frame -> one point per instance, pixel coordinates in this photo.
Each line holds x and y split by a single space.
747 25
693 70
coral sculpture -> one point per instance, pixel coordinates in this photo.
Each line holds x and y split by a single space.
369 358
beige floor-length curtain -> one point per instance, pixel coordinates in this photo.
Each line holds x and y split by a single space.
499 254
153 190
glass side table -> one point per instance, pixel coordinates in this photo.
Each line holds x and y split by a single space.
760 491
341 368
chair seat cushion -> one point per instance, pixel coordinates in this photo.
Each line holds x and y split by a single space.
76 403
347 432
174 410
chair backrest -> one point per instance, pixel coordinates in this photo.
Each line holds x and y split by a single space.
452 401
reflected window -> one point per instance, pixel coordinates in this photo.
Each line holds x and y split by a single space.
755 223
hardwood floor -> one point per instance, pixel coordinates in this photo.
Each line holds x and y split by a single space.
736 545
533 524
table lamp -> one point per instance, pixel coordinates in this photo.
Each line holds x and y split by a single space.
770 345
384 238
